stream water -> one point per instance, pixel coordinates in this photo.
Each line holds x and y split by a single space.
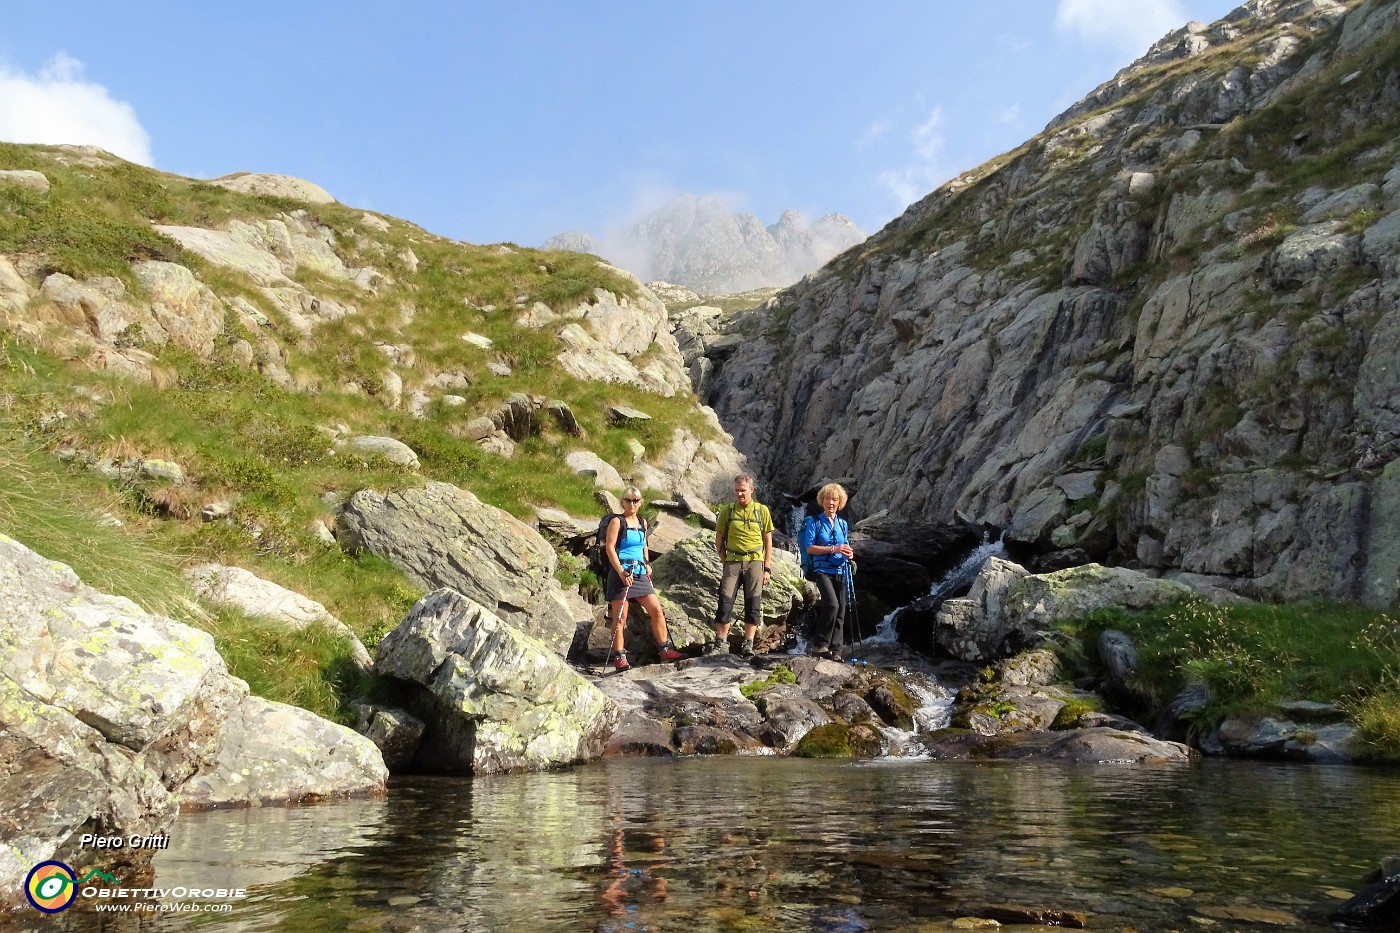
784 844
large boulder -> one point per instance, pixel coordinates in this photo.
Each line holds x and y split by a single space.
138 679
262 599
269 185
689 574
24 178
386 448
1007 608
183 310
975 627
60 778
276 753
108 714
240 248
442 536
494 698
1042 599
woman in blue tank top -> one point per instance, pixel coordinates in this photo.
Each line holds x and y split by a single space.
629 577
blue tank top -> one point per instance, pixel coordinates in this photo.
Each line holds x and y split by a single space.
631 548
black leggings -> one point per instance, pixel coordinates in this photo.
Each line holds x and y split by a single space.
831 611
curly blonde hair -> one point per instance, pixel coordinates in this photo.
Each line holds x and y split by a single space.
837 489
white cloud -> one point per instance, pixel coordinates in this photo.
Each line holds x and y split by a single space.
873 132
58 105
1011 116
1127 27
925 169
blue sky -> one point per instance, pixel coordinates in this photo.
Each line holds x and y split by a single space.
513 121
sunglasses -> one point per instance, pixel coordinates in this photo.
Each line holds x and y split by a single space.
631 500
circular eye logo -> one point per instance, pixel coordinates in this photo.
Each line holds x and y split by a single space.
51 887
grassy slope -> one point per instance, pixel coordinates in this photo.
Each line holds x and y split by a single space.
1251 656
238 436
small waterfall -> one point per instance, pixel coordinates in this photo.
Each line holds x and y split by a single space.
964 573
933 712
797 516
958 579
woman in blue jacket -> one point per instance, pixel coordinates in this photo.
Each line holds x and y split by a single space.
827 539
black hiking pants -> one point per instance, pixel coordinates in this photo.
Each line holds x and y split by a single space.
831 611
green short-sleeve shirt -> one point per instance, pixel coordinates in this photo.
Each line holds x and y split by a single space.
743 530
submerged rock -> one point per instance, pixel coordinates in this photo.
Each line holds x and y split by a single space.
1077 746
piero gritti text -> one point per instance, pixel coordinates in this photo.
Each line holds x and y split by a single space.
134 841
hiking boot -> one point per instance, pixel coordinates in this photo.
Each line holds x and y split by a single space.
668 652
834 654
620 663
819 651
746 649
716 648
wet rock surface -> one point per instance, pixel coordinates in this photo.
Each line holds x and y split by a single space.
725 705
1377 904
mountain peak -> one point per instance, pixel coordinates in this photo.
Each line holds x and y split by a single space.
698 241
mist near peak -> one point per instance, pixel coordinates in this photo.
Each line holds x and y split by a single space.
699 241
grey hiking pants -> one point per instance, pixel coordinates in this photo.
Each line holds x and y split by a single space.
751 572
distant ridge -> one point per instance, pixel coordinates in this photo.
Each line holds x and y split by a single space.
697 241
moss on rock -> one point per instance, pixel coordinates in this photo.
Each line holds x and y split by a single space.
837 740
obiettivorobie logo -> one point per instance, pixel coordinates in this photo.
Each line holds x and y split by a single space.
52 886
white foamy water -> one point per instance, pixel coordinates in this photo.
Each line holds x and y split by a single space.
959 577
934 712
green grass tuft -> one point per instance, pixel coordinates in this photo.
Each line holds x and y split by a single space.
1253 655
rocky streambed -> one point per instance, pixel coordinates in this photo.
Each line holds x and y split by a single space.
114 719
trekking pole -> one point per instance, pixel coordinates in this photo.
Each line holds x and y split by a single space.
851 602
608 614
615 624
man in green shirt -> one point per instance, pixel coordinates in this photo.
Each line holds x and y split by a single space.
744 541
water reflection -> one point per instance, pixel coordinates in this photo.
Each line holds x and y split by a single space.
792 845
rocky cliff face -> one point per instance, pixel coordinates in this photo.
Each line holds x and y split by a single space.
699 242
1163 333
